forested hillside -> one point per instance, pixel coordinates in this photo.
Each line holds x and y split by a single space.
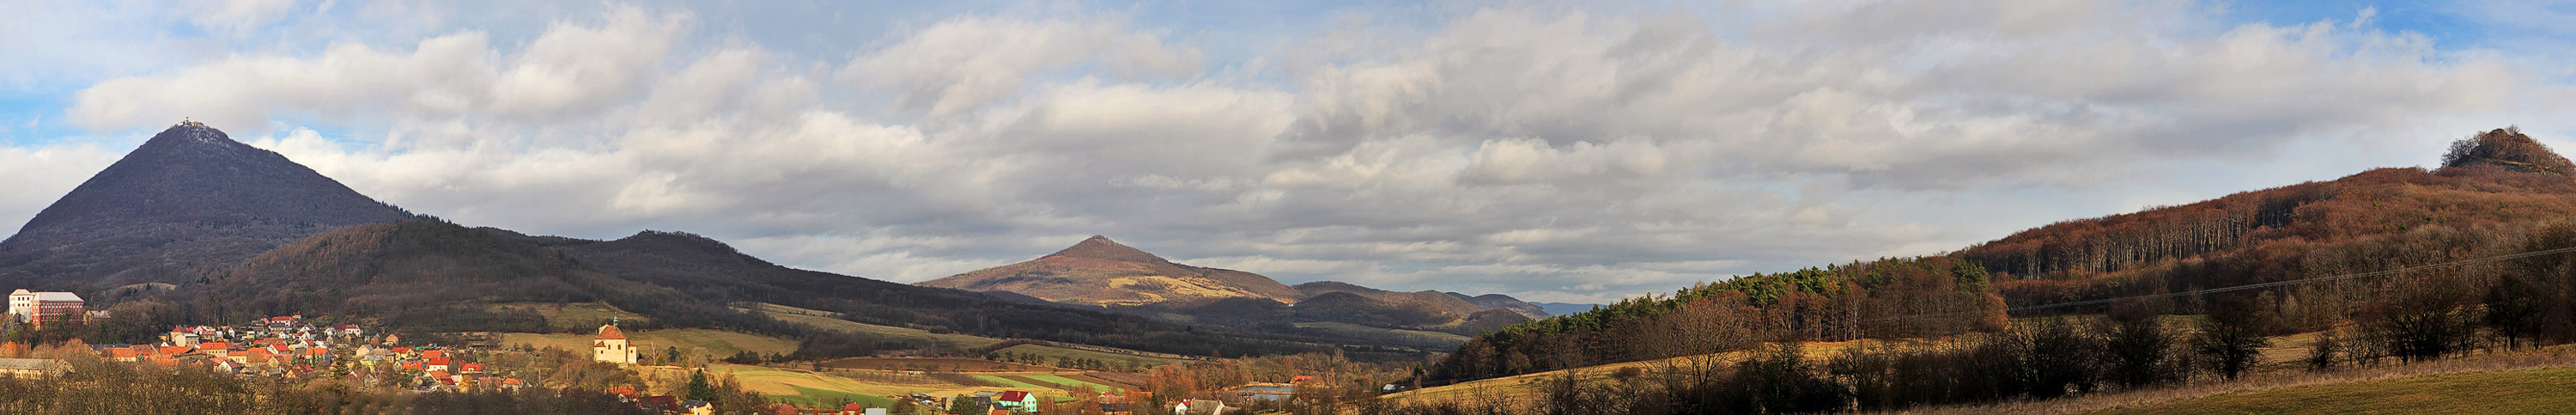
1907 297
2498 193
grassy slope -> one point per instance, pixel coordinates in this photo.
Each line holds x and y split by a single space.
571 315
962 341
1409 336
1070 382
825 320
716 343
1052 353
2523 391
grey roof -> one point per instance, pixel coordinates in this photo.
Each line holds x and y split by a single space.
56 296
30 364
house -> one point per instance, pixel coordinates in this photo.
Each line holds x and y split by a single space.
611 346
1199 407
350 330
698 408
31 368
1022 401
43 308
471 368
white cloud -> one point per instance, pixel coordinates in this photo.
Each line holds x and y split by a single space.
1555 153
961 64
39 175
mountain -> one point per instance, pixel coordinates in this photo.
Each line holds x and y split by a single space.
1101 272
434 276
227 232
190 199
716 271
1505 302
1565 308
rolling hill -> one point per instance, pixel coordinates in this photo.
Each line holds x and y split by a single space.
1102 273
2497 193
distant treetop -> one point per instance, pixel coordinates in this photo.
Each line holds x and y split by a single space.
2509 148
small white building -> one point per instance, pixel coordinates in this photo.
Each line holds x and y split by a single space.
611 346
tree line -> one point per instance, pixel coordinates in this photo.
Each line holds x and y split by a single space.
1935 295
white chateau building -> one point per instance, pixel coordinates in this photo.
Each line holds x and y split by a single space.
43 308
611 346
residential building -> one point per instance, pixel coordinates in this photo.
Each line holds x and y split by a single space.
1016 400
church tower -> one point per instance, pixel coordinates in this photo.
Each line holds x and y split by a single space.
611 346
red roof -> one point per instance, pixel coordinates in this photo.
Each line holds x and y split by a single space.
121 352
437 361
853 407
607 332
402 350
173 350
473 367
511 381
434 354
1012 396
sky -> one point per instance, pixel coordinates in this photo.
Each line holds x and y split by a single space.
1575 151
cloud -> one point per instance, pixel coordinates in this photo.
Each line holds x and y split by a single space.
571 68
1559 153
39 175
963 63
237 16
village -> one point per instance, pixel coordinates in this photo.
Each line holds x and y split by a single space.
294 349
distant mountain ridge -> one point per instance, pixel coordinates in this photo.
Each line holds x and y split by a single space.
190 199
1100 272
238 232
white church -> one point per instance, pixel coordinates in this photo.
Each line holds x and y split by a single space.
611 346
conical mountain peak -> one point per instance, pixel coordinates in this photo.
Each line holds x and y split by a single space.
190 197
1100 247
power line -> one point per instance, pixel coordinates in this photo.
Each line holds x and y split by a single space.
2379 273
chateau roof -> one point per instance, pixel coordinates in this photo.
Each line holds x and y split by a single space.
608 332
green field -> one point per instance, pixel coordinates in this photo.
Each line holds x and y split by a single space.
2544 391
1006 382
700 342
823 319
1069 382
1050 354
1399 335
